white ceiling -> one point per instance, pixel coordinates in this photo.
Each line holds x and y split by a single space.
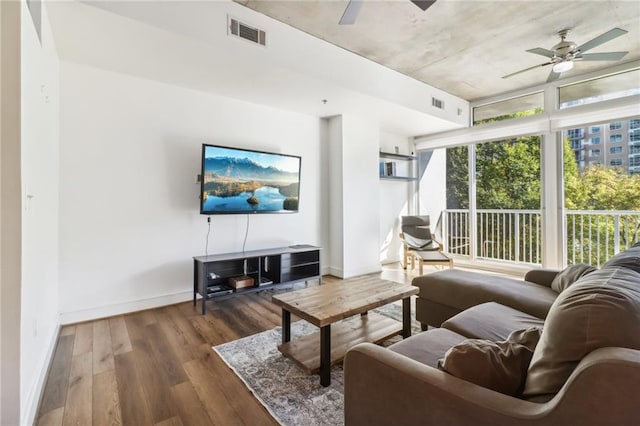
461 49
465 47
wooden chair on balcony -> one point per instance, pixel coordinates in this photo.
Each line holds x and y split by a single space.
419 244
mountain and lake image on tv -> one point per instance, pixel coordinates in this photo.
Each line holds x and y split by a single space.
245 181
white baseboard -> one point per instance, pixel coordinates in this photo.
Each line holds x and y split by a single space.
336 272
28 417
124 308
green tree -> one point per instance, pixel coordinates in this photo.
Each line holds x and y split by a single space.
458 177
508 174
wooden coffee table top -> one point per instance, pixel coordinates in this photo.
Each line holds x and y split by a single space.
328 303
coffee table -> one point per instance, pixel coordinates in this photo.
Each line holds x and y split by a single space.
327 304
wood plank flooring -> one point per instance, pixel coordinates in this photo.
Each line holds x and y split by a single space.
156 367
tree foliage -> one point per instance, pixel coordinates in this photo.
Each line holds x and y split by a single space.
507 175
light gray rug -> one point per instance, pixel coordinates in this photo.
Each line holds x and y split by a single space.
292 396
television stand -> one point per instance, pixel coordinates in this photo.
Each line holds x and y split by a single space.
218 275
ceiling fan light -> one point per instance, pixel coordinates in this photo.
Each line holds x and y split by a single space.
563 66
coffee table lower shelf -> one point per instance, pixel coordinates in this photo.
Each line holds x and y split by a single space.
371 327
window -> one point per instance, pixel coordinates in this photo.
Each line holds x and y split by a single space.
595 141
615 138
600 89
595 129
634 124
615 149
634 150
634 136
577 144
510 108
634 161
595 152
596 163
616 162
576 133
615 125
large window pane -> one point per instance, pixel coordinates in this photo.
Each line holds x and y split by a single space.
602 192
600 89
458 235
508 200
511 108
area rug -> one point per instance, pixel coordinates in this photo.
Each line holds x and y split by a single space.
292 396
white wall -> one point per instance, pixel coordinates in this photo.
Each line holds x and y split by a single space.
395 199
129 155
354 210
39 130
335 256
10 213
432 198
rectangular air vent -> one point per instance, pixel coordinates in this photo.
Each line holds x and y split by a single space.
437 103
247 32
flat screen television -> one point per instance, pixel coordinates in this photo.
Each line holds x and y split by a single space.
234 180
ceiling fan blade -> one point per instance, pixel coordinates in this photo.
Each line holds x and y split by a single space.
605 56
351 12
602 38
423 4
527 69
541 51
553 76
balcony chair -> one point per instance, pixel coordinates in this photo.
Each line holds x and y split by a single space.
419 244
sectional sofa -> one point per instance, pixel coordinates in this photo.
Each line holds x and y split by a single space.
559 348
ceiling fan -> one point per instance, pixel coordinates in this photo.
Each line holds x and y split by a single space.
353 9
563 54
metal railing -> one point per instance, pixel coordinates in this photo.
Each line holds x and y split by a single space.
594 236
509 235
591 236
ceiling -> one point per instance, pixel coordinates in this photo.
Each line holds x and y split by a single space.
464 47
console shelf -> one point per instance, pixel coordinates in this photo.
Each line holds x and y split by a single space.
267 268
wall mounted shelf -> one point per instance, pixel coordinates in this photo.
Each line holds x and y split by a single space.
389 169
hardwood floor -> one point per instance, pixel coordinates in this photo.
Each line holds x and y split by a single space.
156 367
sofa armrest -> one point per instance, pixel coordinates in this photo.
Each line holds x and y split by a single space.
383 387
541 276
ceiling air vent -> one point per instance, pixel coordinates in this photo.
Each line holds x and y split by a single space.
437 103
247 32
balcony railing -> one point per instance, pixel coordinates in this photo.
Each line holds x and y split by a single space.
509 235
515 235
594 236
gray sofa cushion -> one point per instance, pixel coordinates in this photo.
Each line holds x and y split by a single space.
491 321
429 346
472 288
628 259
601 310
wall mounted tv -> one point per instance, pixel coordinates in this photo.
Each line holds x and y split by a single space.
245 181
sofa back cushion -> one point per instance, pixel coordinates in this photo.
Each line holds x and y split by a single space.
602 309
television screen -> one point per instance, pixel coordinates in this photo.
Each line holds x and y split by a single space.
244 181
